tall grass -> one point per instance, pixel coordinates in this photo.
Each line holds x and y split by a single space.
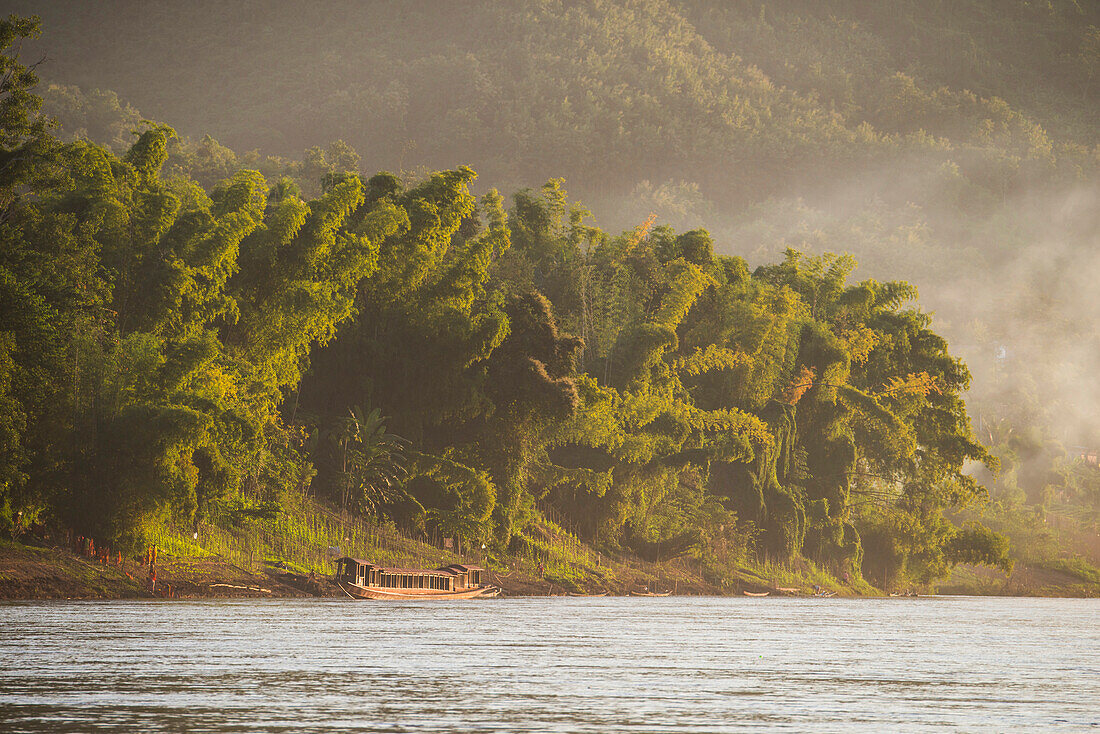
306 536
566 559
303 537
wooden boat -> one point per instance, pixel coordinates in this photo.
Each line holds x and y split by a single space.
755 593
363 580
602 593
650 593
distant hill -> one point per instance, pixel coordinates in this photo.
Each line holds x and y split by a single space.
743 99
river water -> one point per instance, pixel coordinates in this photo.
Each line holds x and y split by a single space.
552 665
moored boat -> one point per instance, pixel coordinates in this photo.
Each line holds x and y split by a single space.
363 580
755 593
650 593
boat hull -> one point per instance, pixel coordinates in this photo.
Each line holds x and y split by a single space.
371 592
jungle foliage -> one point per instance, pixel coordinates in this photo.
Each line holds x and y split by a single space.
181 333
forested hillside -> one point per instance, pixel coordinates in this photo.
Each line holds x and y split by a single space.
742 98
419 347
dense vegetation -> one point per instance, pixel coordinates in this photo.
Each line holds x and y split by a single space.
413 352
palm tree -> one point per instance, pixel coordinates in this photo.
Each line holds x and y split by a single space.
372 461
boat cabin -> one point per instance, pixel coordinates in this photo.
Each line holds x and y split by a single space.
466 577
364 573
455 577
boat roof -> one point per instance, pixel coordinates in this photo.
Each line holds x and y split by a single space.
451 570
420 571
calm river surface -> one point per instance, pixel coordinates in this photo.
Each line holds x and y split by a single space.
552 664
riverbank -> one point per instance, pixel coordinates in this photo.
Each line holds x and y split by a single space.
54 572
44 572
1026 580
292 556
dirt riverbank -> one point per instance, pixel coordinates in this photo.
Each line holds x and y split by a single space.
32 572
50 572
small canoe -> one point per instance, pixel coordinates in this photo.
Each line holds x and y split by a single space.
755 593
650 593
602 593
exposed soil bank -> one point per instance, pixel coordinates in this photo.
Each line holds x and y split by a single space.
29 572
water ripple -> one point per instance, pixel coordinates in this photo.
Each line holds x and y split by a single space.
551 665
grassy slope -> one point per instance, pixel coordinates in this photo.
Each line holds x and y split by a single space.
1025 580
272 558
